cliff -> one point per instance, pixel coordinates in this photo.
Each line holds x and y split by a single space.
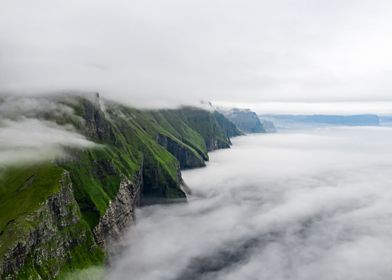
42 231
268 126
246 120
59 216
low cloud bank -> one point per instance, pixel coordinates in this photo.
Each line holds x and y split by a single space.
309 205
13 107
32 140
91 273
25 139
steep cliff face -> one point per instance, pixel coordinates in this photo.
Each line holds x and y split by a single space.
205 123
120 213
186 157
50 239
173 125
59 216
126 148
229 128
246 120
269 126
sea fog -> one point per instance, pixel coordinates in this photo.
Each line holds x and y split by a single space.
310 204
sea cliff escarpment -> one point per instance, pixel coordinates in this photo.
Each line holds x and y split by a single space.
59 216
48 236
246 120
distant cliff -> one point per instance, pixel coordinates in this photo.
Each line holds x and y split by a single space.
246 120
268 126
59 216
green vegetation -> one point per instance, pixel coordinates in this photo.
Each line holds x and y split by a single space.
61 203
96 175
85 253
30 206
170 123
205 123
23 189
91 273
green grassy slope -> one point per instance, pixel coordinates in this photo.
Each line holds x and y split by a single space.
204 123
23 189
26 213
154 142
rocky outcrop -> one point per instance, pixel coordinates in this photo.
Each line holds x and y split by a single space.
96 125
120 213
46 240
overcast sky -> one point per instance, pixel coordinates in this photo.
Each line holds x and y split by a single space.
175 51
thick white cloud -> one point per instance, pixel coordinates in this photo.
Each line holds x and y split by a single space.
160 52
29 141
26 137
303 205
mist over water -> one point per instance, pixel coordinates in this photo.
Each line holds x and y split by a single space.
313 204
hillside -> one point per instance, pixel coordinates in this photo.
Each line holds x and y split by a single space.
246 120
60 215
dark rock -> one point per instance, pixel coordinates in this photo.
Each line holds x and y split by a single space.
120 213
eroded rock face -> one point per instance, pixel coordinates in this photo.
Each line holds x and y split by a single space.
47 238
120 213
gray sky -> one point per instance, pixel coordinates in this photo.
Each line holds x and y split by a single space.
164 52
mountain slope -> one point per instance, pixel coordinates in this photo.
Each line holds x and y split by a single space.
81 203
246 120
